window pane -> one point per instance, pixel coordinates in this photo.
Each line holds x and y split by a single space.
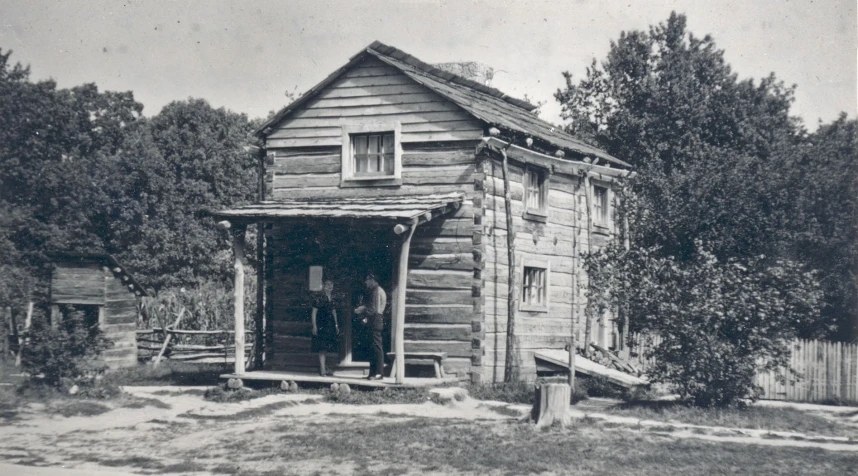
360 144
387 147
600 204
388 163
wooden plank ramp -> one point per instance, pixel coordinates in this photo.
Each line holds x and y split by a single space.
300 377
587 367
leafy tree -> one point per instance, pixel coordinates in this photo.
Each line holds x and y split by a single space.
188 159
721 213
824 220
720 160
81 169
52 143
701 140
720 322
59 356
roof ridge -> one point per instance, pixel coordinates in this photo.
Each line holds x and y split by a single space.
378 47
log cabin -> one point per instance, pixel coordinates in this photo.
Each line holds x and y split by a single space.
106 293
472 211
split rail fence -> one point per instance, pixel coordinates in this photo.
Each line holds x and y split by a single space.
825 372
213 346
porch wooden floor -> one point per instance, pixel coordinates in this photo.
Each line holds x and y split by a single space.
299 377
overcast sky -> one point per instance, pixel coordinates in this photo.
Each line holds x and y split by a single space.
246 55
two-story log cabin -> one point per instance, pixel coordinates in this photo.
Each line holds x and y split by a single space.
397 167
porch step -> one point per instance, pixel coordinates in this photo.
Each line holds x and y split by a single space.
309 363
353 369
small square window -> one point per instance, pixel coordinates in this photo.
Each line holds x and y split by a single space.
371 155
534 287
600 206
535 194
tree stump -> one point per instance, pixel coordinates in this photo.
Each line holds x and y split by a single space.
552 405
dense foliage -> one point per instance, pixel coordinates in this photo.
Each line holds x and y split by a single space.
738 215
720 321
721 161
59 356
82 170
186 160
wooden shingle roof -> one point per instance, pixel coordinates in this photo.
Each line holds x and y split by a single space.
485 103
395 208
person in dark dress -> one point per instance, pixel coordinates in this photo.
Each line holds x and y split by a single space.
326 329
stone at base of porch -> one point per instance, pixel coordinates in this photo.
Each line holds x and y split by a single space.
300 377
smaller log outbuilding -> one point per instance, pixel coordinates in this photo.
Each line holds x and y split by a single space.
107 294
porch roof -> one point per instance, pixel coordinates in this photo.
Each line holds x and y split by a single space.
395 208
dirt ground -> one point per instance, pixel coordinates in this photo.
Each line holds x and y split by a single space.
176 431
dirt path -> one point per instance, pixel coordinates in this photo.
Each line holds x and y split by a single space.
178 432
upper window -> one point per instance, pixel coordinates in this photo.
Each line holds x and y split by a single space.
535 193
600 206
371 154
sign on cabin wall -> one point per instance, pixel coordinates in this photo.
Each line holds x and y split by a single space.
315 278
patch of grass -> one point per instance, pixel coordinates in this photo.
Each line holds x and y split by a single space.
661 428
32 461
752 417
80 408
183 467
513 392
385 396
456 446
142 402
224 395
168 373
132 461
251 413
505 410
171 393
9 404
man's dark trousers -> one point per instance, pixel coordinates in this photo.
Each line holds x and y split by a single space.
376 365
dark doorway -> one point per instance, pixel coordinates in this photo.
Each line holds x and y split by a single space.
347 252
89 313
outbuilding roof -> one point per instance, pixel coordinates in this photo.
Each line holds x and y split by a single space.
483 102
103 259
394 208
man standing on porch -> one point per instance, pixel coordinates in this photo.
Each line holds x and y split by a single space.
373 314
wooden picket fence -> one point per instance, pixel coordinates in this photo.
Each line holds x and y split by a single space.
826 371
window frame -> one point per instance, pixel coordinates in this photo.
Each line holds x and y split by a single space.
536 214
347 169
545 266
603 219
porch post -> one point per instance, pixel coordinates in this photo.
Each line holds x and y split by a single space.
238 295
399 302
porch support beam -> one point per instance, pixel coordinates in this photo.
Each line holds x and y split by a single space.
432 214
238 238
400 284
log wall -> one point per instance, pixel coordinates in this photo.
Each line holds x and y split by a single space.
556 241
440 284
77 284
374 92
94 284
120 323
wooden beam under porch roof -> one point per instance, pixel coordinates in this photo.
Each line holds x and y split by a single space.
401 213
